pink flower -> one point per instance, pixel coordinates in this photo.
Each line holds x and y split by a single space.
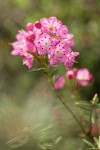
28 60
84 77
50 25
20 44
21 35
58 54
68 40
70 59
44 44
19 47
31 47
62 33
60 82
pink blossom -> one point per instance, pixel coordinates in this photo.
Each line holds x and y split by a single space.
69 42
84 77
20 44
21 35
62 33
60 82
31 47
50 25
70 59
58 54
44 44
18 47
28 60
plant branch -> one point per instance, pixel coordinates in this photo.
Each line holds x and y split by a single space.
48 76
63 102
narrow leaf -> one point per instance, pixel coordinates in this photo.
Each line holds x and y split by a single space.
88 143
84 105
58 140
37 69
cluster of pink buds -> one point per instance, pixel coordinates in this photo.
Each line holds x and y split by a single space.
82 76
48 37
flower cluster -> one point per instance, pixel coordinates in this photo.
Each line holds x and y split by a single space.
49 37
82 76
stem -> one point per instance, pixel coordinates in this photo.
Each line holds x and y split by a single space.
48 76
68 108
90 119
64 103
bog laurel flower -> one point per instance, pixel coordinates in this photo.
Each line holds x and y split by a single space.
84 77
49 37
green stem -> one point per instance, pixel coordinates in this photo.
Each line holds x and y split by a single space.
63 102
48 76
90 119
68 108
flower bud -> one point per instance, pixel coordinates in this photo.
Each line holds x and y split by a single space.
94 129
38 25
70 74
60 82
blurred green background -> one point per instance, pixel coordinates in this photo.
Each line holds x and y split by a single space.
83 20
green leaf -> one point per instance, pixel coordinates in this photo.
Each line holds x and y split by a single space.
94 116
84 105
89 144
18 141
93 148
97 105
58 140
54 71
37 69
48 145
96 141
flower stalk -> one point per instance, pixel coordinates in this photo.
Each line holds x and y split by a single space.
64 103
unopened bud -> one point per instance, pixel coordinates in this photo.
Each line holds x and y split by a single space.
94 100
38 25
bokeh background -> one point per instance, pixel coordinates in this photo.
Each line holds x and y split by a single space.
17 84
